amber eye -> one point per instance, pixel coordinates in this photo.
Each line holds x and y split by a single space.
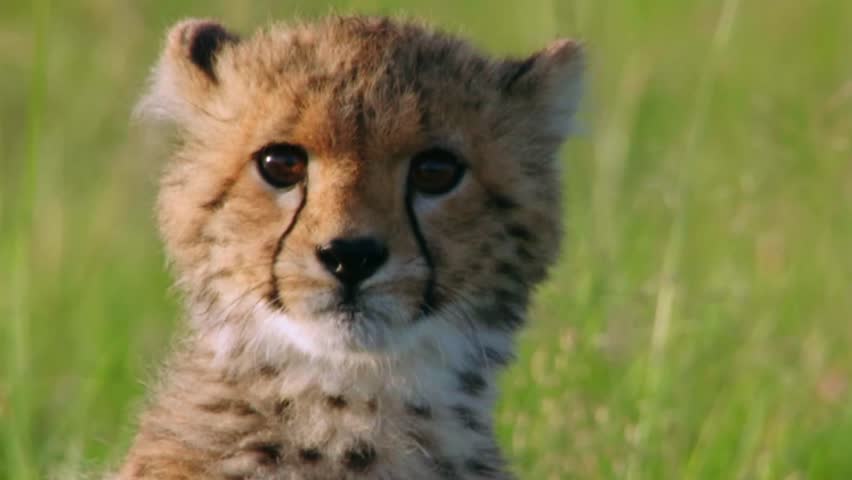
282 165
435 171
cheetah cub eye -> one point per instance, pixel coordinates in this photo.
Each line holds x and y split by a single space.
282 165
435 171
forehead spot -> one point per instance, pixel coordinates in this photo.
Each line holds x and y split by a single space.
310 455
336 402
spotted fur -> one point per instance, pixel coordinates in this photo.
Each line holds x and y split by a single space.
272 381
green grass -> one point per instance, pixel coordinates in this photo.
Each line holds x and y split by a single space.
698 326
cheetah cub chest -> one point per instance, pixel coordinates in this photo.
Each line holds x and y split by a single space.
356 213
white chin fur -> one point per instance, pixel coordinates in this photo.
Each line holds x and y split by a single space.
372 355
328 335
275 336
320 332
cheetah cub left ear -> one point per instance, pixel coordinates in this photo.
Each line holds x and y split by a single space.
187 78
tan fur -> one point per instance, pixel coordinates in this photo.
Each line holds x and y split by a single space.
268 386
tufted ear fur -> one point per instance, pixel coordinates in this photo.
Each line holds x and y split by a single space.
185 79
549 84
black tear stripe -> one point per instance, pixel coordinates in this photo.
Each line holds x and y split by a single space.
428 303
273 296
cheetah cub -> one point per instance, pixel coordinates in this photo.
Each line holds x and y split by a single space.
356 212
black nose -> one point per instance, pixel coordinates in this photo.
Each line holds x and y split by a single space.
352 260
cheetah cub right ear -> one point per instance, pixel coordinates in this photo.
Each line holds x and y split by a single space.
186 80
550 84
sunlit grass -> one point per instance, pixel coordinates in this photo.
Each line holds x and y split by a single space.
16 393
698 325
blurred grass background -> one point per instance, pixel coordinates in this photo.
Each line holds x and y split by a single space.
698 326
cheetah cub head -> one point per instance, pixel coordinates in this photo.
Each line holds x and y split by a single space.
359 187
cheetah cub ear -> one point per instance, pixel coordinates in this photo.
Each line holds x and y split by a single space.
548 85
186 80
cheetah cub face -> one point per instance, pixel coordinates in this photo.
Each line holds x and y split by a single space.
359 187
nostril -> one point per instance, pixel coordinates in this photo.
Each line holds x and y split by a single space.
352 260
328 258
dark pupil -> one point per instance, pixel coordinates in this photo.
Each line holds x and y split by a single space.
282 167
435 174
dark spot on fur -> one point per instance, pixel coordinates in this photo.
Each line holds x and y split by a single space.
510 319
236 407
267 453
243 409
445 469
419 410
372 405
274 299
282 406
472 383
478 467
310 455
519 232
510 271
359 457
216 406
501 315
336 401
499 201
468 418
268 371
316 82
524 254
206 238
514 297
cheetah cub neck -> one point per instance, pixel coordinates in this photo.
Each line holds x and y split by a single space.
356 212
